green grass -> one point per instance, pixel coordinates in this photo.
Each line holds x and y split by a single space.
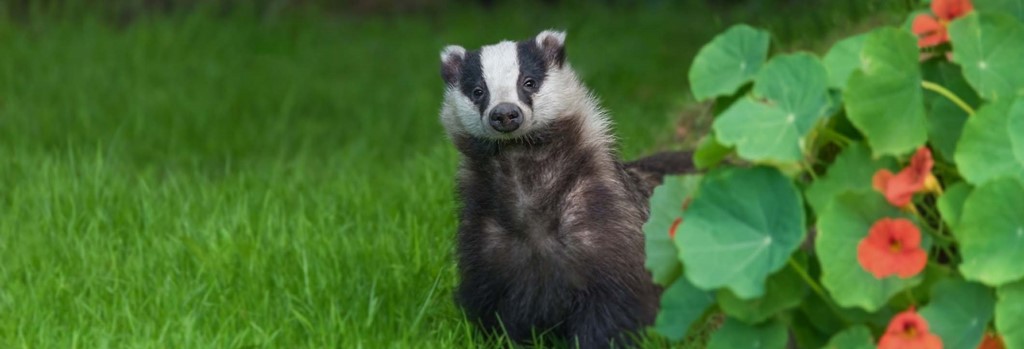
192 181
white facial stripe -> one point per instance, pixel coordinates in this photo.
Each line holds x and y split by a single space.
500 64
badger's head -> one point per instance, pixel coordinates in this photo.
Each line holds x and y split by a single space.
510 89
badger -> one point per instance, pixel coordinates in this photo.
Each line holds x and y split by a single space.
550 235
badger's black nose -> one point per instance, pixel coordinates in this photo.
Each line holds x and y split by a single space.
506 117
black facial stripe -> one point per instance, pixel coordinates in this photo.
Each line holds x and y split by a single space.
473 77
532 66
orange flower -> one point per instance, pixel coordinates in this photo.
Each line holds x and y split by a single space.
900 188
893 246
991 341
907 330
930 30
672 229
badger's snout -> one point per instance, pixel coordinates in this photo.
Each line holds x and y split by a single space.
506 117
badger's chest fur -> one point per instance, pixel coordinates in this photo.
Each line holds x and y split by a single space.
549 236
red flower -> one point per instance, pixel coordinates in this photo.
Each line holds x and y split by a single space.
675 225
991 341
893 246
930 30
900 188
907 330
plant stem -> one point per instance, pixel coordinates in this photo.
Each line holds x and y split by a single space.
817 289
810 170
836 136
807 278
931 86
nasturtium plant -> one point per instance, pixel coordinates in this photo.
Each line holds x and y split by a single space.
728 62
989 47
959 313
857 337
790 95
741 227
872 197
884 97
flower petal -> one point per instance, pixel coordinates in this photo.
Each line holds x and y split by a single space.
911 262
875 260
908 330
951 9
929 31
921 163
991 341
903 230
881 179
925 24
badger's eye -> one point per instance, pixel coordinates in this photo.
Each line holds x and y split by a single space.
529 83
477 92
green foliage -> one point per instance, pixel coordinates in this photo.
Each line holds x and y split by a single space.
728 62
990 147
738 335
851 171
883 96
681 305
843 59
857 337
959 313
1009 307
989 47
945 118
662 255
790 95
843 224
951 203
955 253
710 153
1011 7
783 290
991 232
741 227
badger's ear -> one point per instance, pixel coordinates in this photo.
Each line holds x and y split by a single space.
451 63
552 44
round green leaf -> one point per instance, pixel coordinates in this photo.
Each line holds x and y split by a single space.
842 59
856 337
841 227
883 98
737 335
951 203
992 144
1010 314
959 313
728 62
990 47
681 305
666 207
852 170
741 226
991 233
784 290
1012 7
790 95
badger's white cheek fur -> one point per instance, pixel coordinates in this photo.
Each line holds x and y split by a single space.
553 97
460 115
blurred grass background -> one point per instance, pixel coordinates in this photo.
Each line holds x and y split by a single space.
187 174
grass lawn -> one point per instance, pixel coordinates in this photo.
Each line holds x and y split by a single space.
199 181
